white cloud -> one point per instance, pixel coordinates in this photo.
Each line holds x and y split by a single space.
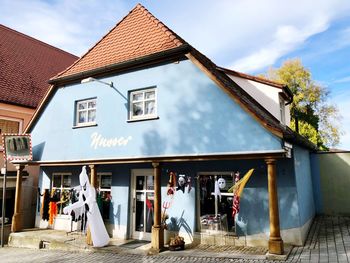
342 80
289 31
246 34
286 39
71 25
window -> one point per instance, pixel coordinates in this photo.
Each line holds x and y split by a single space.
104 194
282 110
85 112
208 209
143 104
61 185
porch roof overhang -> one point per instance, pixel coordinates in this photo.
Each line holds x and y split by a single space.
273 154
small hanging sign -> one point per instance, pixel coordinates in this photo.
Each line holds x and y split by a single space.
17 147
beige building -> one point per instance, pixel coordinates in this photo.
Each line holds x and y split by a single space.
26 65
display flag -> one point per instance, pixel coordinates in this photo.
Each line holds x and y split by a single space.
237 189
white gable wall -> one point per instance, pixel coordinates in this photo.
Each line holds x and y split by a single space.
266 95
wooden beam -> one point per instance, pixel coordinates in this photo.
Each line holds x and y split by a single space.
17 215
157 228
181 158
93 180
275 241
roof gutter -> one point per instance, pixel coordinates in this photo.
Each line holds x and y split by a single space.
287 90
167 54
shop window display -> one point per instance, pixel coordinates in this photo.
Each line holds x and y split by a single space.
104 196
216 203
61 186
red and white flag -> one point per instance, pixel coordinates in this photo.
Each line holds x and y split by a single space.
235 206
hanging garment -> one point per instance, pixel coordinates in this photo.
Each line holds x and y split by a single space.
171 183
99 201
52 212
189 184
217 192
45 206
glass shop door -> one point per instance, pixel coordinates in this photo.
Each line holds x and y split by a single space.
142 204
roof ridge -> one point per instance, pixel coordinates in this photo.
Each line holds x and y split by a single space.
251 77
178 41
36 40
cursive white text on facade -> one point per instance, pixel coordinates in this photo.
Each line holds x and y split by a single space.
98 141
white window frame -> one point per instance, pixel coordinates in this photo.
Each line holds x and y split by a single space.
99 175
61 187
131 104
77 111
282 109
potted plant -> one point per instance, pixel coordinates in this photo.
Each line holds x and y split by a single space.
177 243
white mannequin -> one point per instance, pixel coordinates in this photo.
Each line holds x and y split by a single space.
87 199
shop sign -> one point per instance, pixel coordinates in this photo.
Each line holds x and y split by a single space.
97 140
17 147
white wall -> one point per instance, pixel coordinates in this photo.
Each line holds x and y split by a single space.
266 95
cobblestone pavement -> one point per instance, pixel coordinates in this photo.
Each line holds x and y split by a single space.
328 241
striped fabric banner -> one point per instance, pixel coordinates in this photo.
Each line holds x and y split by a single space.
235 206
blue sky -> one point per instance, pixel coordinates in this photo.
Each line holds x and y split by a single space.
245 35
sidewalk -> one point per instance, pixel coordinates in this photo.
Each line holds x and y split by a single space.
327 241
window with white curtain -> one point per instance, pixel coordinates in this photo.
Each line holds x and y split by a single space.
143 104
85 112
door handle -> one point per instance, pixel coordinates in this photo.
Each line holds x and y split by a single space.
134 205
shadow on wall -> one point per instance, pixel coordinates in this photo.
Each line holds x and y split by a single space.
154 144
180 225
116 216
201 119
38 151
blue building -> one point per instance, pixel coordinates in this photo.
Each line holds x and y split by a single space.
143 105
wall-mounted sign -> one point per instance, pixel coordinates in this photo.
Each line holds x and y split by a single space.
17 147
97 140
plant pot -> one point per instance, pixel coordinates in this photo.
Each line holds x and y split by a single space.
167 235
177 247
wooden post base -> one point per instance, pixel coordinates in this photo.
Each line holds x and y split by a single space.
276 247
16 222
157 238
88 237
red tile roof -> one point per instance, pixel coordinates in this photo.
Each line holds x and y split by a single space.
131 43
137 35
26 64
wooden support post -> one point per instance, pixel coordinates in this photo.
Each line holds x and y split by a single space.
275 241
17 215
93 179
93 176
157 228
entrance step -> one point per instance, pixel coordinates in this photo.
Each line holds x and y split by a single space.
47 239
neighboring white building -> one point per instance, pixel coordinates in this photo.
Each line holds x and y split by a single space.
273 96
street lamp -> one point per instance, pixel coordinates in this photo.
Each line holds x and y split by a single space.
90 79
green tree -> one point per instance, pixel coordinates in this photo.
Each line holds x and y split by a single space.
317 119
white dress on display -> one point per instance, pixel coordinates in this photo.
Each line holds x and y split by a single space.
87 202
